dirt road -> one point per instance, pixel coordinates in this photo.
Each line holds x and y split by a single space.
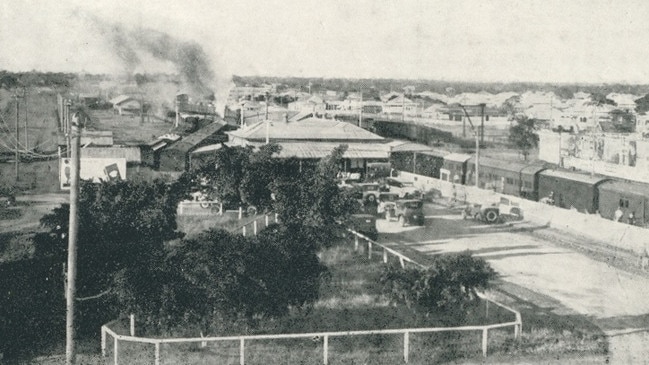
613 299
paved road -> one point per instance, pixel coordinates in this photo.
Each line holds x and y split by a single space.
613 299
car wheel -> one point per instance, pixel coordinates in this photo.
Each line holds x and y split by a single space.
205 205
491 216
252 210
371 198
402 221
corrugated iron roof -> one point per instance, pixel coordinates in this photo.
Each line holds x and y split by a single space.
404 146
626 187
315 129
514 166
321 149
190 141
130 153
574 176
457 157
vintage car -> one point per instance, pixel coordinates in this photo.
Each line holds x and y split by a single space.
387 202
364 224
405 189
408 212
489 213
493 212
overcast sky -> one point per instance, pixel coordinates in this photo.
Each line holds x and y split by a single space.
590 41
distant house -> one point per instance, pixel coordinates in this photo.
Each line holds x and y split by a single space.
400 105
177 156
313 104
313 138
126 105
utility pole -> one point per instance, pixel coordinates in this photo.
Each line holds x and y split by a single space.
267 96
403 107
70 291
477 147
17 157
26 140
66 115
360 111
482 107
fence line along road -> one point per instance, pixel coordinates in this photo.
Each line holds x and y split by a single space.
517 324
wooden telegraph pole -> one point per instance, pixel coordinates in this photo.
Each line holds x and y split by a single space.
17 157
70 293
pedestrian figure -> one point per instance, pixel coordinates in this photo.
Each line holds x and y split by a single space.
618 214
631 220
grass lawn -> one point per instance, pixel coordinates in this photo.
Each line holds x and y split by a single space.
351 300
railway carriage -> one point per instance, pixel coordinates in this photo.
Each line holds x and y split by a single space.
571 189
630 197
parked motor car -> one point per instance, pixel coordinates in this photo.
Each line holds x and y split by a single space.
405 189
364 224
510 208
387 201
489 213
369 192
408 212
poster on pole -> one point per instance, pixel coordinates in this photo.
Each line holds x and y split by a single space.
95 169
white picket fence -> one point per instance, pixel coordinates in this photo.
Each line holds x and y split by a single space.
257 224
372 247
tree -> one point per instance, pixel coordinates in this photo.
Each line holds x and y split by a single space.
314 199
642 105
623 121
448 286
122 230
523 135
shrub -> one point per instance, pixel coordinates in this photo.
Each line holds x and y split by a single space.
447 286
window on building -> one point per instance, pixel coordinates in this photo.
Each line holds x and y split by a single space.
624 203
509 181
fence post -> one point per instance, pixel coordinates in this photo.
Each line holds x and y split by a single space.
243 230
403 264
242 352
103 341
115 350
485 334
487 308
276 220
518 328
266 219
406 346
240 212
355 243
385 255
157 353
132 323
254 227
325 350
369 250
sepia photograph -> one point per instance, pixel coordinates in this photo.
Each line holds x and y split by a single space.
324 182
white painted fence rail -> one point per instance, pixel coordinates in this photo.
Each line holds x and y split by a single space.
517 325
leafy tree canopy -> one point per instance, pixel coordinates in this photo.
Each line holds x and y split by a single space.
523 134
448 285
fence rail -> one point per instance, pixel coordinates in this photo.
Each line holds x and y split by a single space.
517 324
